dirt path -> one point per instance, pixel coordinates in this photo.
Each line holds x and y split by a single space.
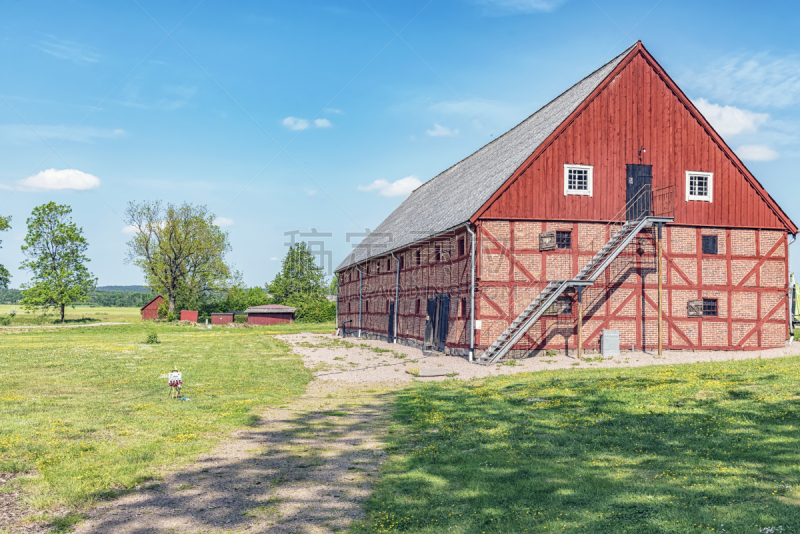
308 466
304 468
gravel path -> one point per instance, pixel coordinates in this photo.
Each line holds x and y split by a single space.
307 467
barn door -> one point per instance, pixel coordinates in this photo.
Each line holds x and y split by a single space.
442 321
390 337
430 321
638 184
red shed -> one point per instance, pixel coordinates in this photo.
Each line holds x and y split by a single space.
150 310
270 314
187 315
221 318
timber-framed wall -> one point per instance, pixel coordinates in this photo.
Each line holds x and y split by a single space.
747 277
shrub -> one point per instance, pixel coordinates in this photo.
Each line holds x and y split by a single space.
171 316
315 311
12 313
152 338
5 321
240 318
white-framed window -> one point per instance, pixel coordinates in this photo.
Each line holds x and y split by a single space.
699 186
578 179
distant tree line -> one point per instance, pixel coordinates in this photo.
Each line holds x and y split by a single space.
182 255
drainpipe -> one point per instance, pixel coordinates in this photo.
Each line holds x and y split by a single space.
472 294
791 290
396 297
360 292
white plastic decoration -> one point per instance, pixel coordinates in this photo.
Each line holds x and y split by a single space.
174 379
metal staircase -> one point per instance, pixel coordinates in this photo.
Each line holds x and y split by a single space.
586 277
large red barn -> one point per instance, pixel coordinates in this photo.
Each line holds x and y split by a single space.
562 216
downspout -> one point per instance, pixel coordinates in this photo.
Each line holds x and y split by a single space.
791 289
360 292
396 297
472 294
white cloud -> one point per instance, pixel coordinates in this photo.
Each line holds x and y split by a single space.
130 230
55 179
756 153
520 6
310 192
333 110
730 120
293 123
756 80
68 50
441 131
20 133
273 259
223 222
398 188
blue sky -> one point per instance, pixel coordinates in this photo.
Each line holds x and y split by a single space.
291 116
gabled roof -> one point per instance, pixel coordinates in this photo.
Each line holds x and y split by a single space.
451 198
152 301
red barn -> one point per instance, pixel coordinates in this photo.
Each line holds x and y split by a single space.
270 314
187 315
550 234
150 310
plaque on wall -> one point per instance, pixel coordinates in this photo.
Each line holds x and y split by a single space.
694 308
547 240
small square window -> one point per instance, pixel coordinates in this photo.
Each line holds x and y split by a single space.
416 307
437 254
402 262
699 186
578 179
419 257
710 244
461 247
709 307
563 239
463 307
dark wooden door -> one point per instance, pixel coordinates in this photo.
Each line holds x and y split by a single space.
390 337
442 320
638 185
430 321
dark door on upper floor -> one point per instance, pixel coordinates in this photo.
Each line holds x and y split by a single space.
638 187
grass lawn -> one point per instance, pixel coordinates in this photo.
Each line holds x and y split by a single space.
684 448
78 315
85 413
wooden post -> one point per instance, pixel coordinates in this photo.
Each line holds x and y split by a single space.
580 322
659 292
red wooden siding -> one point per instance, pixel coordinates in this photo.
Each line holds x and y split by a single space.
187 315
150 310
221 318
269 318
637 108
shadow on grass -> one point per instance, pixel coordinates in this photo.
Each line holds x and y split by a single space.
285 481
638 450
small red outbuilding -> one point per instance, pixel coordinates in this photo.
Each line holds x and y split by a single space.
150 310
270 314
221 318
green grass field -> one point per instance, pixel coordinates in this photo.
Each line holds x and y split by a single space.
85 413
78 315
685 448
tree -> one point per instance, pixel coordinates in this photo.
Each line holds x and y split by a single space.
179 248
299 279
5 276
55 249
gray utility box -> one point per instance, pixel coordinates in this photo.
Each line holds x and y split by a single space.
609 343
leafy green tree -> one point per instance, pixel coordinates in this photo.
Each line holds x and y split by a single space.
5 276
55 249
179 248
299 279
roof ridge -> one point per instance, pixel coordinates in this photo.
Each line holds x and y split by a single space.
526 119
